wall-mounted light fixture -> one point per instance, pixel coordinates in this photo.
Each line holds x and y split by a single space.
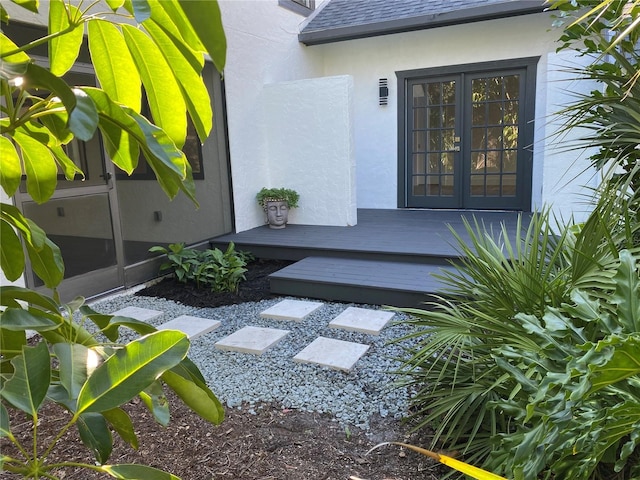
383 91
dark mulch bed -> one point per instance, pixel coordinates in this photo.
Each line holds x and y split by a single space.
253 289
272 444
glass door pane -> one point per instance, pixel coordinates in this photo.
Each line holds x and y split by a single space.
81 227
494 139
434 143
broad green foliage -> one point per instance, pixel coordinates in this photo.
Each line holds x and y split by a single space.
607 32
213 268
532 365
158 46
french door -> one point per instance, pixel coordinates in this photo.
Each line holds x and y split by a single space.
467 137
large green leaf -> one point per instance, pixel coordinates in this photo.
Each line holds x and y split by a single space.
624 363
627 292
63 49
39 165
206 19
156 401
136 472
172 19
56 122
11 342
96 435
11 256
18 319
47 263
27 387
131 369
30 232
197 396
31 5
76 362
189 80
6 46
10 167
113 64
168 163
46 137
83 117
163 94
10 293
122 424
5 427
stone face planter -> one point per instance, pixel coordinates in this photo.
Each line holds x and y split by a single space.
277 213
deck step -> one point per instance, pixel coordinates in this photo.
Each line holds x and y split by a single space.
397 284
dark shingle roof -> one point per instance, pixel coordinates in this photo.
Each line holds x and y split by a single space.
348 19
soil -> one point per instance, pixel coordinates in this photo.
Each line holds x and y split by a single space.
257 442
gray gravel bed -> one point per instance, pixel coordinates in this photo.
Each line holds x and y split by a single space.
240 378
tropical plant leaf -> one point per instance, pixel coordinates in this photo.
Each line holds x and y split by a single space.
195 394
14 65
27 387
11 256
30 232
114 66
47 263
131 369
624 363
95 434
39 165
76 362
206 20
31 5
5 426
83 117
156 401
10 167
172 19
164 97
194 91
10 293
11 342
627 292
18 319
63 49
136 472
122 424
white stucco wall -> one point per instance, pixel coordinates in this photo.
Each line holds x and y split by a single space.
557 176
262 49
310 147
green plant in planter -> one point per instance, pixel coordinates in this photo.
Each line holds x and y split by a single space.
278 194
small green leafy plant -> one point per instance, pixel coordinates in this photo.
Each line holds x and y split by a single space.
278 194
212 268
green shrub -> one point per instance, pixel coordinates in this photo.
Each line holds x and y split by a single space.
531 365
213 268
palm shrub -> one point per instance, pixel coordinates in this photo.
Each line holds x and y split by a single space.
528 364
78 360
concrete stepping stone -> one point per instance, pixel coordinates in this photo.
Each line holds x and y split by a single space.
192 326
296 310
255 340
363 320
142 314
328 352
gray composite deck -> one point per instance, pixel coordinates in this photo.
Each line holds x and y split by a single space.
387 258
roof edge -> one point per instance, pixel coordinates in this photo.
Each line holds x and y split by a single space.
423 22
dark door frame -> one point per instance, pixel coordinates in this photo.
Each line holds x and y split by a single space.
528 64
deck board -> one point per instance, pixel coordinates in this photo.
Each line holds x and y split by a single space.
388 258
